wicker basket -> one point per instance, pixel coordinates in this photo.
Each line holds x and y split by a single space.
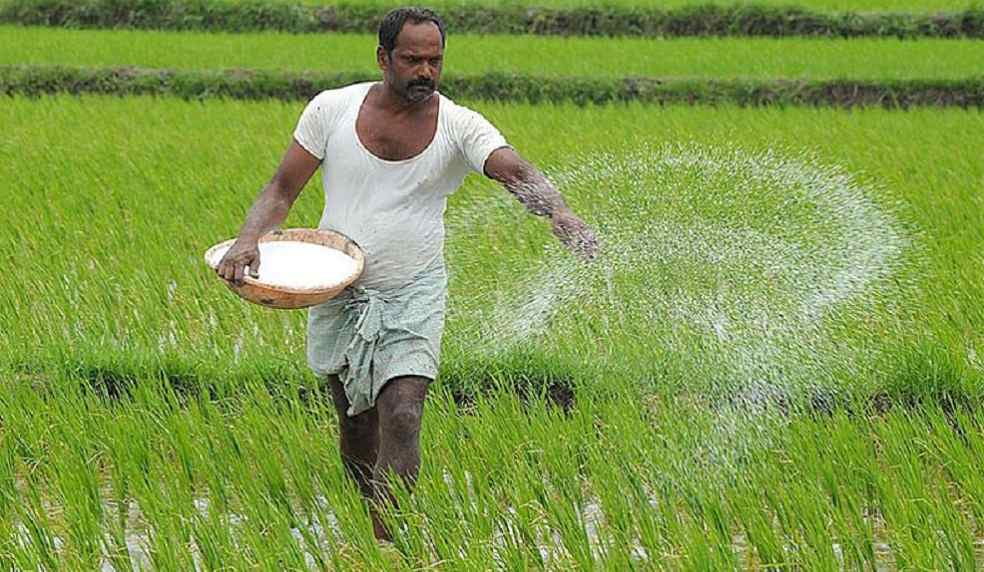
293 298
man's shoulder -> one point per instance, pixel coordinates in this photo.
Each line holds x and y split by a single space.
451 106
343 93
461 115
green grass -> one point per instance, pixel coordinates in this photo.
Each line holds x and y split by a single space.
826 5
869 59
689 344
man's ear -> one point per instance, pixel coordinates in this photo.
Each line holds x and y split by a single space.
382 58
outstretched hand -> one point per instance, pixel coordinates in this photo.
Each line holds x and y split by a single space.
575 234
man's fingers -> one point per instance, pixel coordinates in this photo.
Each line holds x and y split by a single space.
254 267
232 267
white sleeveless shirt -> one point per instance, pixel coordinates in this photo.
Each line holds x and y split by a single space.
394 210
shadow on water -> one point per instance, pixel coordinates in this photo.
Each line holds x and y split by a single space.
465 385
529 387
534 377
925 376
115 381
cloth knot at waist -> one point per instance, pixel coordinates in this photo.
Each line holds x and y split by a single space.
368 303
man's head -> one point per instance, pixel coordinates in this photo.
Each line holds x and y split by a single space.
411 52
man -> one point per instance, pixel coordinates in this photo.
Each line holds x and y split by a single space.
392 152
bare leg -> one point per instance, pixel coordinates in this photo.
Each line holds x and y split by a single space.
400 406
358 438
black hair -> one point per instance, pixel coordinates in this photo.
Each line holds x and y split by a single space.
393 22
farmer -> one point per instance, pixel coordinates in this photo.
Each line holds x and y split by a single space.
392 151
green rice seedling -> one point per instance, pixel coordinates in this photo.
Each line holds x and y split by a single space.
491 453
954 519
871 59
759 528
562 492
213 538
708 539
905 498
608 466
39 542
806 514
841 456
9 495
77 488
167 513
957 446
625 493
470 512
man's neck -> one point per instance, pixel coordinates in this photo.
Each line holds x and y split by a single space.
392 102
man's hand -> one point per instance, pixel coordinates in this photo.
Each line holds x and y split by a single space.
574 234
540 197
232 266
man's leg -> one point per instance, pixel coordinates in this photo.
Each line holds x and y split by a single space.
400 406
358 438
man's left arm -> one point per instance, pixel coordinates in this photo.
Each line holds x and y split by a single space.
541 198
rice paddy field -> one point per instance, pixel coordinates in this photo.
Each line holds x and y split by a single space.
758 58
776 362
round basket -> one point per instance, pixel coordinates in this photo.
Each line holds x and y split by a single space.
292 298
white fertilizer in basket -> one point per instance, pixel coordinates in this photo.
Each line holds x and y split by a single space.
295 264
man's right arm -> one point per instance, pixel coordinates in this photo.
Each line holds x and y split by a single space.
269 210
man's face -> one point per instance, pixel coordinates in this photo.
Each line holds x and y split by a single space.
413 68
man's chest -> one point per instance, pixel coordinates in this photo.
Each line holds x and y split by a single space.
395 138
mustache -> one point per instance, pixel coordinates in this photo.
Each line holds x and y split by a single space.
421 82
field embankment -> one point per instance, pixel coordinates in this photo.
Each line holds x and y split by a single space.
260 84
875 18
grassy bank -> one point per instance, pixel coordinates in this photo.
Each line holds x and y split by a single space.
689 19
915 6
720 58
262 84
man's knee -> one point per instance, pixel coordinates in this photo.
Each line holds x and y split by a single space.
403 421
401 404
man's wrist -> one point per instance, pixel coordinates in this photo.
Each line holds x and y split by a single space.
248 237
